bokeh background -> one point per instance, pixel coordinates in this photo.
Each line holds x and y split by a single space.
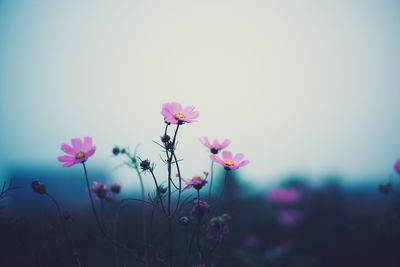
299 87
307 90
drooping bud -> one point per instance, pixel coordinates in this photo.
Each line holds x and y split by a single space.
116 187
39 187
184 221
162 190
199 209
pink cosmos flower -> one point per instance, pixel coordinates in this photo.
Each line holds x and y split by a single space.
230 162
397 166
197 182
79 151
174 113
289 196
215 147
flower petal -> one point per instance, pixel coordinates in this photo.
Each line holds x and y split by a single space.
188 110
76 144
238 157
397 166
224 144
192 115
68 149
215 143
217 159
87 143
65 158
90 152
227 155
186 187
243 163
68 163
205 142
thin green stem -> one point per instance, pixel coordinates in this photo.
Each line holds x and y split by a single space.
143 213
223 187
211 180
158 194
92 202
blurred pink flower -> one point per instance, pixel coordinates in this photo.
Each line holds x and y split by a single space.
288 196
174 113
230 162
215 147
99 189
251 241
197 182
80 151
289 217
397 166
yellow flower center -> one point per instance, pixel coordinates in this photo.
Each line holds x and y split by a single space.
179 116
229 162
196 177
80 155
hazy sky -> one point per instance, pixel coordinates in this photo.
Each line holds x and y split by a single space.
308 87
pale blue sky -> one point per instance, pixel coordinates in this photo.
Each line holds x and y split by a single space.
308 87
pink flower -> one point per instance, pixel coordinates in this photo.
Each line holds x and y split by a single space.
197 182
289 217
174 113
215 147
397 166
288 196
80 151
230 162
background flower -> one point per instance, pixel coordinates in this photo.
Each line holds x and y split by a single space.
174 113
230 162
79 151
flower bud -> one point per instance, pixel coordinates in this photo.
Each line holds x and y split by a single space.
162 190
115 151
145 165
199 209
39 187
165 138
184 220
116 187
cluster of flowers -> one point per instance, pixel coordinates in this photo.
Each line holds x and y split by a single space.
102 192
174 114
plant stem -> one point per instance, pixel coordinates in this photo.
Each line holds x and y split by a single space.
158 194
143 213
169 199
223 187
92 202
211 180
67 239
